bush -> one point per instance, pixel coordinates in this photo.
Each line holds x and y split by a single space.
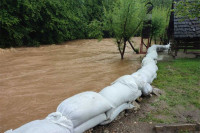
31 22
160 21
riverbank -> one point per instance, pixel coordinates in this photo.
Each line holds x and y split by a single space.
179 80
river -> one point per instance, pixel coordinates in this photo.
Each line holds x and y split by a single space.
33 81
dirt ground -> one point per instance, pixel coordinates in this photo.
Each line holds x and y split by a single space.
130 121
135 121
35 80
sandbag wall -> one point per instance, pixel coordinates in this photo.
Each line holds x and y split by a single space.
88 109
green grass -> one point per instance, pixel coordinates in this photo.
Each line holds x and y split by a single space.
180 79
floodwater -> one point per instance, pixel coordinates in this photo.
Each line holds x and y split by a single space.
33 81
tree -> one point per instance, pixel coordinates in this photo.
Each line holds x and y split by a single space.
161 3
32 22
160 22
188 8
123 20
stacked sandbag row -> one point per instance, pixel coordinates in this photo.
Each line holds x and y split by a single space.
88 109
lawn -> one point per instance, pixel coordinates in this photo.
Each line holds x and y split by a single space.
180 80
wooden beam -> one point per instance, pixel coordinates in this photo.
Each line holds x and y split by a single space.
177 128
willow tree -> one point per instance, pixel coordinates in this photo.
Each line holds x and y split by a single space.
123 20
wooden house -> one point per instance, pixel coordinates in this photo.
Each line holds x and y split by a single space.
184 33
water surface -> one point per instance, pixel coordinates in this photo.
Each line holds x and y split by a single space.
33 81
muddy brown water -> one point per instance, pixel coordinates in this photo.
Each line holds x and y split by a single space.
33 81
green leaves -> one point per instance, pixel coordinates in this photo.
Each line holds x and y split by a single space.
160 21
31 22
34 22
124 18
188 8
95 29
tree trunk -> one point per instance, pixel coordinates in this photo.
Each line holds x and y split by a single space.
122 54
150 40
161 41
137 52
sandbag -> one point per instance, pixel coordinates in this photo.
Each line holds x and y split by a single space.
153 55
152 48
141 76
53 123
147 90
119 93
151 67
142 84
90 123
160 48
113 113
148 60
127 80
41 126
167 47
84 106
146 74
138 80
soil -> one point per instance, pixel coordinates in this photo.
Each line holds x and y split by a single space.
35 80
129 120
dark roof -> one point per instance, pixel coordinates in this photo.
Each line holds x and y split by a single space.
187 28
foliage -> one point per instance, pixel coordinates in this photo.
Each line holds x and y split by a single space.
35 22
161 3
95 29
32 22
188 8
123 20
160 21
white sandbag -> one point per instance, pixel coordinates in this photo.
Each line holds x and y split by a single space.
160 48
146 74
90 123
155 76
41 126
152 48
84 106
167 47
119 93
142 85
138 80
113 113
127 80
153 55
59 119
142 76
147 89
151 67
148 60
